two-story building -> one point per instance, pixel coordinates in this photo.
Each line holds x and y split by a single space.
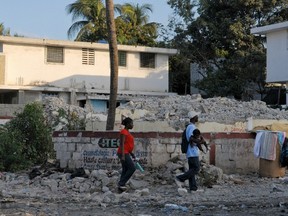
31 69
277 52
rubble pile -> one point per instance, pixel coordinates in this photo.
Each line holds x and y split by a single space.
63 116
218 109
99 185
52 192
172 109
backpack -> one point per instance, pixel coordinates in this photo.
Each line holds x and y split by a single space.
184 142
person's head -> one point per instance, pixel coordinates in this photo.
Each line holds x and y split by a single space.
128 123
193 116
196 133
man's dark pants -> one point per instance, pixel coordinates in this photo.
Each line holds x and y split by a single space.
194 167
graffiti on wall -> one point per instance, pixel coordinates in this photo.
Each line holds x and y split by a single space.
105 156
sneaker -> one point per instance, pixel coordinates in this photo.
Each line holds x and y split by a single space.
178 181
122 188
196 190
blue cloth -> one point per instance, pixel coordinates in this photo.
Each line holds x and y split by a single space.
191 151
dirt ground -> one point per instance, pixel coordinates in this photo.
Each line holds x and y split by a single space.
236 195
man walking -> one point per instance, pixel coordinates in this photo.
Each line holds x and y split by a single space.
192 153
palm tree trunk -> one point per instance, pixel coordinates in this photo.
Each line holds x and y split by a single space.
113 64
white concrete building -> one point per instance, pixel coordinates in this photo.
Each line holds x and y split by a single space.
277 52
77 71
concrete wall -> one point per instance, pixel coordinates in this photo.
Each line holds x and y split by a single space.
10 109
277 55
140 124
233 152
2 69
277 45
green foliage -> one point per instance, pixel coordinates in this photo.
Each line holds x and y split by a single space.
132 27
179 79
218 40
92 27
4 31
25 140
11 157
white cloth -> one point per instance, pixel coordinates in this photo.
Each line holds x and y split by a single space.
257 143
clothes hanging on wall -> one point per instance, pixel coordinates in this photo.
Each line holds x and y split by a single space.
265 143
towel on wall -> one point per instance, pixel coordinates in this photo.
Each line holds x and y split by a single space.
265 144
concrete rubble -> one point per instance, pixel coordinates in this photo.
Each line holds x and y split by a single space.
218 109
99 185
172 109
154 192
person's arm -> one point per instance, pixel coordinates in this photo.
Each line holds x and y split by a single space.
132 155
204 143
122 141
198 142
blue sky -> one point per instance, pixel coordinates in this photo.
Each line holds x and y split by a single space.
49 19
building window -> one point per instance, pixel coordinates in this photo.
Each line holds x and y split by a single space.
49 94
88 56
55 55
122 58
147 60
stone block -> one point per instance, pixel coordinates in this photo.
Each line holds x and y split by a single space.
75 139
77 156
71 147
85 140
63 163
62 147
71 164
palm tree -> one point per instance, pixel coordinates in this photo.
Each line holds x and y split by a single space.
93 26
113 64
132 24
135 14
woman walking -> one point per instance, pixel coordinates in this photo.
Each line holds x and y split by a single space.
125 153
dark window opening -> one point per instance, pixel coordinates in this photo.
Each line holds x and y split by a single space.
82 103
147 60
122 58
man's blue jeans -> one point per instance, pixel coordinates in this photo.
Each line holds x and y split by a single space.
128 168
194 168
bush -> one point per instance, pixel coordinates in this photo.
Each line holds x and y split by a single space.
25 140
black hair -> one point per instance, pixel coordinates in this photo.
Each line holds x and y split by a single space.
126 121
196 132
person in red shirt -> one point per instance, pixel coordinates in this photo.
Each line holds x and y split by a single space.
125 153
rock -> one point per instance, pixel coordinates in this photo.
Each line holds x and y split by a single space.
182 191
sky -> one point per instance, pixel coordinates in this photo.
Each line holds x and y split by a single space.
49 18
